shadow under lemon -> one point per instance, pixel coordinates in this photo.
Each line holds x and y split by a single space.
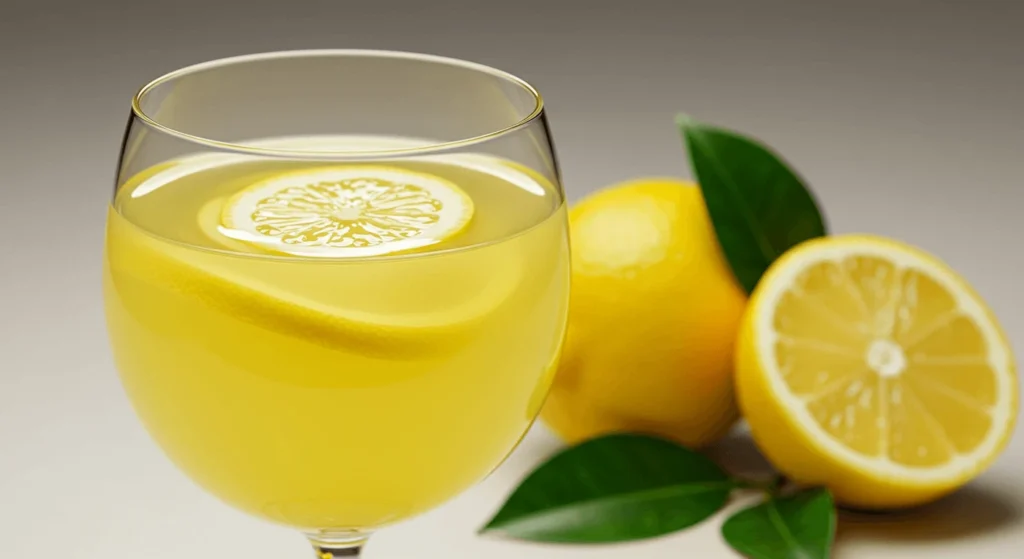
971 511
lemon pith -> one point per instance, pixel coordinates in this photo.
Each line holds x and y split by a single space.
352 210
869 366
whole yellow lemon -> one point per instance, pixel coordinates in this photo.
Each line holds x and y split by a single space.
653 318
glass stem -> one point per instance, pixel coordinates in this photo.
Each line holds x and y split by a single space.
331 545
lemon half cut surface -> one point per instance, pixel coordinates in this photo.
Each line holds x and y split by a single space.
355 210
872 368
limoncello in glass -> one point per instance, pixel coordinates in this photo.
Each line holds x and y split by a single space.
336 344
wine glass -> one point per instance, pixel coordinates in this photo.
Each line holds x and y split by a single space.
336 281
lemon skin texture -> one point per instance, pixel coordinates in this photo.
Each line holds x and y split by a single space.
654 311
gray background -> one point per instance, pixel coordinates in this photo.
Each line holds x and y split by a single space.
905 116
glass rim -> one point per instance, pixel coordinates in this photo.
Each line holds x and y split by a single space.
433 147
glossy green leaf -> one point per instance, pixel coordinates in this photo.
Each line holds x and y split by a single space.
759 207
800 526
612 489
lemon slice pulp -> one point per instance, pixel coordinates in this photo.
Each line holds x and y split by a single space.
343 211
873 368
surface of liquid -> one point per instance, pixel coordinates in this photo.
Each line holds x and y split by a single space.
335 392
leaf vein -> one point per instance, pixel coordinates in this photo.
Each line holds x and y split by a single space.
677 490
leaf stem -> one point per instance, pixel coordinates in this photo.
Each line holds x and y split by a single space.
770 487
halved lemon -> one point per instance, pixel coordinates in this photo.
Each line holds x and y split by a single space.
872 368
343 211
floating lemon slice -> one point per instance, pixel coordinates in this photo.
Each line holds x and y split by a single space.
872 368
405 308
356 210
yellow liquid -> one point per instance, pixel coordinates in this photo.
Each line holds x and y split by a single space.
335 393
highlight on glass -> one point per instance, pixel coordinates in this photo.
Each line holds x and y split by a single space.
336 282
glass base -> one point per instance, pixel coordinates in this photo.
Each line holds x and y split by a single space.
341 543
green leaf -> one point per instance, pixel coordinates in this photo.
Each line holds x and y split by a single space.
759 207
799 526
611 489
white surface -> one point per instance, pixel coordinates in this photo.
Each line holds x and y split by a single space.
104 503
905 116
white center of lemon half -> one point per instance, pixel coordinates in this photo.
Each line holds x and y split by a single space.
356 210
